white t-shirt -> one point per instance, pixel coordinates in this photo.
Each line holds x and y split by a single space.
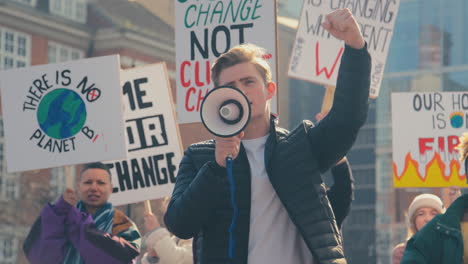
273 237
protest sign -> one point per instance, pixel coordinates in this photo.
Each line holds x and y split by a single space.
62 114
426 129
316 54
205 29
153 141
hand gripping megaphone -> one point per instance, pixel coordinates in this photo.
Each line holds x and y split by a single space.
225 111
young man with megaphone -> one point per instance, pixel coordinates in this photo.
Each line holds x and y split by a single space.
275 209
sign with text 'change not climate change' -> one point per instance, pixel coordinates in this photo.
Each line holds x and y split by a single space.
62 114
316 54
205 29
153 141
426 129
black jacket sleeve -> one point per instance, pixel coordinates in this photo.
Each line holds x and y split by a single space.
334 136
341 193
194 196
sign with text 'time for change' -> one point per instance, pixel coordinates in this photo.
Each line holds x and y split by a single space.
62 114
316 54
153 141
426 130
205 29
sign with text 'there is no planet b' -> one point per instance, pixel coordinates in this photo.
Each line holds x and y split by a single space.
62 114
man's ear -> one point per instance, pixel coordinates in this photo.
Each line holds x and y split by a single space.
271 90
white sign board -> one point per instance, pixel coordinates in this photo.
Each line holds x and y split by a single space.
426 130
153 140
316 54
62 114
206 29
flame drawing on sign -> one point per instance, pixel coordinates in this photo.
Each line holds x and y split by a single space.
434 176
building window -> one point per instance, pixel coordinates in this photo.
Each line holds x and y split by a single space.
9 39
364 176
9 184
9 187
8 249
15 49
61 53
71 9
366 137
58 181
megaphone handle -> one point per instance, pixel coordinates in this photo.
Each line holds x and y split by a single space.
232 189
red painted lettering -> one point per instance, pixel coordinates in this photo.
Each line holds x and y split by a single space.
208 72
453 141
200 98
197 75
441 144
423 145
319 71
191 90
182 74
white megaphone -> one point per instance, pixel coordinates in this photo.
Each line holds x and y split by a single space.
225 111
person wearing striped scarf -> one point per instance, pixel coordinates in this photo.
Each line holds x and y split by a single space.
90 232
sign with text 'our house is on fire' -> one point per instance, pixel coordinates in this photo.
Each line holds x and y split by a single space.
62 114
425 132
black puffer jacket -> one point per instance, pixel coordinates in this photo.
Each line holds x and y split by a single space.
201 203
340 194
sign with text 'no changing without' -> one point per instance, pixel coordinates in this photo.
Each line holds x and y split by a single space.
316 54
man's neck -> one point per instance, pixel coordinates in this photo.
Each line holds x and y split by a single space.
91 210
257 127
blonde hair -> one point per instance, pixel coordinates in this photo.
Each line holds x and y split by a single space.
411 226
463 147
240 54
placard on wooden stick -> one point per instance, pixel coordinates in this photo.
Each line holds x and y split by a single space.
152 137
316 55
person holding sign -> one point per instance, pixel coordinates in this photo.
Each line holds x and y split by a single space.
445 238
283 215
90 232
161 246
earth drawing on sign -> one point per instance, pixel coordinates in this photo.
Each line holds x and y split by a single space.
61 113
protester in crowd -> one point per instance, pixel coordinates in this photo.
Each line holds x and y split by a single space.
88 230
340 194
421 210
445 238
279 211
161 246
